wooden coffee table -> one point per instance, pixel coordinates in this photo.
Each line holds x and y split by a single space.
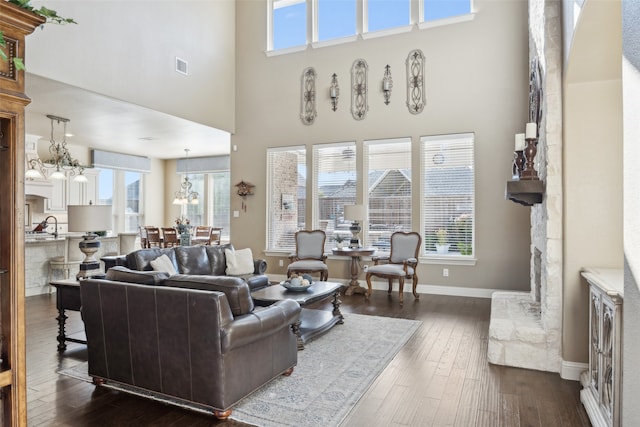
312 322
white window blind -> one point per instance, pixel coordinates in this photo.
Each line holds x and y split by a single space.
287 196
448 205
334 185
388 183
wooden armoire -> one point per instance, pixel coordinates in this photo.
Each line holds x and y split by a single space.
15 23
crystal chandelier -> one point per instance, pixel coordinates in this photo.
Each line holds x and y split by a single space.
60 159
185 195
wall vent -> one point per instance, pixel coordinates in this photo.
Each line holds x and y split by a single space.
182 66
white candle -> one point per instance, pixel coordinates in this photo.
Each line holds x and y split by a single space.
333 92
385 85
519 141
531 131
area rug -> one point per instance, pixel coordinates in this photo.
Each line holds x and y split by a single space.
332 374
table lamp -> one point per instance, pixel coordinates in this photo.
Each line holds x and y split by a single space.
355 213
89 219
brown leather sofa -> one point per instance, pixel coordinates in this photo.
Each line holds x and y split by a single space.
196 339
198 260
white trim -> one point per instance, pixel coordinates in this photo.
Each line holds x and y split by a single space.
387 32
572 370
334 42
456 291
448 260
286 50
424 25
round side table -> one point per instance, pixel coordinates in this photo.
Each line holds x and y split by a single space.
355 254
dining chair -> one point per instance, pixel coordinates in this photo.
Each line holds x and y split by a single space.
153 237
170 237
201 235
216 236
143 238
309 256
400 264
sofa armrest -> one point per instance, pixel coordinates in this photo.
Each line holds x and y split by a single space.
259 266
259 324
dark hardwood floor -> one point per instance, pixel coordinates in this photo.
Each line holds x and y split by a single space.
441 377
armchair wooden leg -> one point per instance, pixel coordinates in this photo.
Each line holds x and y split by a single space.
368 292
416 295
401 296
390 286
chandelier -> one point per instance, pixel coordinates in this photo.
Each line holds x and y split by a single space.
60 159
185 196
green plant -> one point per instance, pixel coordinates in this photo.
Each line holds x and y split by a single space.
441 236
50 15
338 238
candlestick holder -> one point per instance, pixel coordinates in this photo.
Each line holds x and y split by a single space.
530 151
518 163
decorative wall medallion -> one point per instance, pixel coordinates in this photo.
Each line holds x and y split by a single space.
535 92
359 104
308 111
415 82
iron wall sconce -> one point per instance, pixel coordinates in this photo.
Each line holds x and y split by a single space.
387 85
334 92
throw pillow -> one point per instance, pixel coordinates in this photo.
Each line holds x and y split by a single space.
239 262
163 263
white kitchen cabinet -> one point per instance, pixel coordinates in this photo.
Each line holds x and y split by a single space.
601 393
83 193
58 201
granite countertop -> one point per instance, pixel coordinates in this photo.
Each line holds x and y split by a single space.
48 238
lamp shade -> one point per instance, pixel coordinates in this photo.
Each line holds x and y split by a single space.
89 218
354 212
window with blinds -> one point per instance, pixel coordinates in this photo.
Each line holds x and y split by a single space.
334 185
287 196
388 183
448 203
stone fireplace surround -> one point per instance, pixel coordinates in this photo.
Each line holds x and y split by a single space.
526 327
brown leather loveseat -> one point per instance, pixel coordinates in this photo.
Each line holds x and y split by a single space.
195 260
198 340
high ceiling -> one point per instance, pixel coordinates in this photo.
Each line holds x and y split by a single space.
104 123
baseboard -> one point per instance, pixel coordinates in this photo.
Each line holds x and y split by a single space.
572 370
456 291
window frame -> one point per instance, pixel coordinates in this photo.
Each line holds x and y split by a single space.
271 249
366 160
451 257
315 190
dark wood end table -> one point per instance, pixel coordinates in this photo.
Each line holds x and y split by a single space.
355 254
67 298
312 322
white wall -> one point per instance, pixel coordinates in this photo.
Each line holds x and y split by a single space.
126 50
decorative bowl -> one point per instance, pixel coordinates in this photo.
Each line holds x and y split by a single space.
295 288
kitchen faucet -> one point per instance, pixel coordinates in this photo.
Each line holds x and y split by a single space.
55 231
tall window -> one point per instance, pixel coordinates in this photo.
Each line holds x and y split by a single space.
384 14
336 18
219 202
448 205
388 183
439 9
334 185
289 23
133 207
122 190
196 213
287 201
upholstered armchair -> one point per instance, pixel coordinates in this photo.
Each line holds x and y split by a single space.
309 256
400 264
